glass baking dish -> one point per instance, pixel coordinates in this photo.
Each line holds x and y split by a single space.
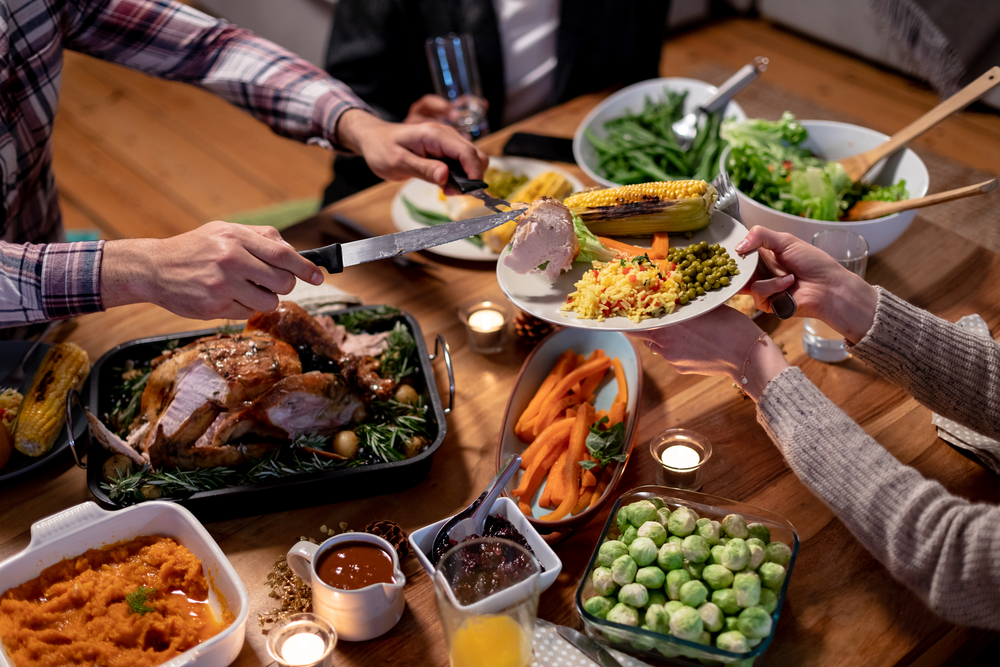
653 644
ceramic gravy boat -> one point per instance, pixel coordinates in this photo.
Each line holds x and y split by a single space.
357 615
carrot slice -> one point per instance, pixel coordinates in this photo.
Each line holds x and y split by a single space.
524 507
616 413
566 362
550 409
584 502
630 250
620 379
661 245
547 442
545 500
570 470
555 480
602 484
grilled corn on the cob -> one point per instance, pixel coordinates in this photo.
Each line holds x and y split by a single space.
65 367
645 208
549 184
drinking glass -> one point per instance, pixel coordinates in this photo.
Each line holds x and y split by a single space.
452 60
822 342
487 592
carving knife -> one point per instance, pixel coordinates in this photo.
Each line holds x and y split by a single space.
336 256
588 646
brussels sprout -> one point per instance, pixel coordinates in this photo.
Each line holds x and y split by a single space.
675 578
717 576
724 540
682 522
598 606
657 597
611 550
716 554
685 623
653 531
643 551
673 539
624 614
760 531
705 638
640 512
673 606
662 516
772 576
658 619
629 535
604 583
735 555
701 522
623 570
756 540
693 593
668 650
634 595
746 585
768 600
753 642
643 643
657 502
757 555
670 556
694 569
733 640
695 548
731 623
755 623
650 577
711 616
711 531
621 519
726 600
735 525
778 552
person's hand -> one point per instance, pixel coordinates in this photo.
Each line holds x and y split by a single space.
719 343
220 270
821 287
434 108
397 151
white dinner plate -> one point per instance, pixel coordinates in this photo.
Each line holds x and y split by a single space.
425 195
533 293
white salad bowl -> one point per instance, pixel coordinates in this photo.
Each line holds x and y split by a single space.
86 526
832 140
632 99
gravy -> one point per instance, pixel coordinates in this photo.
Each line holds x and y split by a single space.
353 565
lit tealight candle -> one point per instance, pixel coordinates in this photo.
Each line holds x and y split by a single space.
679 457
486 320
303 648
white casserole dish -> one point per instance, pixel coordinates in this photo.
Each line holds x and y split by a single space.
86 526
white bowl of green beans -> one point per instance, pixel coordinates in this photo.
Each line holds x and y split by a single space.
627 138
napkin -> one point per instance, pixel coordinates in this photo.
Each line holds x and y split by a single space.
314 298
985 449
549 649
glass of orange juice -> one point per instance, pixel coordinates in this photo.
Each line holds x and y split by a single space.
487 591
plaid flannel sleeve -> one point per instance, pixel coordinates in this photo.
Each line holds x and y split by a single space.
49 282
166 39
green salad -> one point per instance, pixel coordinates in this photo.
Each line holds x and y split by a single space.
767 163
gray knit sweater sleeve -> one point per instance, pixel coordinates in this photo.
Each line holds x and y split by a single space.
944 548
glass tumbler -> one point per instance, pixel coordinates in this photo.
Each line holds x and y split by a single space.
455 73
487 592
822 342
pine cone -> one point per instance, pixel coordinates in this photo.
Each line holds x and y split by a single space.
392 533
530 329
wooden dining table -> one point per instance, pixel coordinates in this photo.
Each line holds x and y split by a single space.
843 607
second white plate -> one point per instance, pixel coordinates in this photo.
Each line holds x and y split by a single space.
533 293
425 195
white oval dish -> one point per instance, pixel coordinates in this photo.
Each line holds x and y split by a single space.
535 294
632 99
86 526
425 195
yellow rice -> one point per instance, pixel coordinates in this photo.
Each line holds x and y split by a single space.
636 289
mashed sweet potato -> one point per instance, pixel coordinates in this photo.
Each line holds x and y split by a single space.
77 613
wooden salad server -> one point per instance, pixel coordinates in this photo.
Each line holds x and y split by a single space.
869 210
858 165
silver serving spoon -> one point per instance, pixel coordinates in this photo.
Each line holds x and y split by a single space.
471 520
686 129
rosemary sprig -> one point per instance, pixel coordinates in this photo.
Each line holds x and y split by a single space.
363 319
127 403
128 489
397 360
138 598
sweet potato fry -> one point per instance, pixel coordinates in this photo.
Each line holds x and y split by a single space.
555 482
616 413
602 485
570 470
546 442
584 501
552 406
567 362
620 380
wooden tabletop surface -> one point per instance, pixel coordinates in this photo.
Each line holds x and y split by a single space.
843 607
